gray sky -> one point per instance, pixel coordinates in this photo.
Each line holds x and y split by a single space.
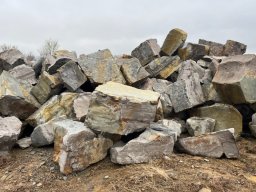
120 25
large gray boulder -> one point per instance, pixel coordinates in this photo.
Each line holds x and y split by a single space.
215 145
10 59
121 109
234 48
146 51
215 49
200 125
193 51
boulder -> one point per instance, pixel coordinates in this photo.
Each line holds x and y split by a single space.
72 76
193 51
10 59
252 129
81 105
132 70
236 79
146 51
101 67
215 145
226 116
121 109
215 49
149 145
234 48
24 142
76 147
200 125
47 86
163 67
15 99
24 74
10 128
57 106
174 40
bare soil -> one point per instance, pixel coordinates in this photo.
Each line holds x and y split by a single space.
33 170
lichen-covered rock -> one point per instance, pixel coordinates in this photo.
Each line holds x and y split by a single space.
193 51
10 128
174 40
10 59
215 145
81 105
216 49
24 74
146 51
234 48
120 109
200 125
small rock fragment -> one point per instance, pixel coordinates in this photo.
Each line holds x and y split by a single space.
24 142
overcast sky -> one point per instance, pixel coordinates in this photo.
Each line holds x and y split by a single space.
120 25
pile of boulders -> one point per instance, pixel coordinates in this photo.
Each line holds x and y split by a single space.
190 98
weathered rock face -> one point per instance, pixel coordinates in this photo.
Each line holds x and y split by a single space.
81 105
226 116
75 146
24 73
10 59
15 100
213 145
132 70
193 51
234 48
174 40
236 79
215 49
120 109
72 76
47 86
163 67
101 67
252 125
200 125
150 144
57 106
146 51
186 93
10 128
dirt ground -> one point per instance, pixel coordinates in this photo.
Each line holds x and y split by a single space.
33 170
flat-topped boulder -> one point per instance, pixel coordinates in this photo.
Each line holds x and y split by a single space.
120 109
193 51
215 48
234 48
10 59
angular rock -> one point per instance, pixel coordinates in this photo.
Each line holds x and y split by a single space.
163 67
15 99
186 93
47 86
10 128
252 129
174 40
57 106
24 142
10 59
213 145
193 51
24 73
81 105
120 109
215 49
146 51
132 70
150 144
226 116
200 125
236 79
72 75
75 146
99 55
234 48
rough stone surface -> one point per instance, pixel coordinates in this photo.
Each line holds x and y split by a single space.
81 105
24 74
226 116
146 51
132 70
120 109
252 129
150 144
10 128
200 125
72 76
213 145
236 79
24 142
193 51
215 49
163 67
99 55
234 48
10 59
174 40
47 86
15 99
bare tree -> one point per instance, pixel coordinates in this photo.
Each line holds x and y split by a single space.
30 56
6 47
49 47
